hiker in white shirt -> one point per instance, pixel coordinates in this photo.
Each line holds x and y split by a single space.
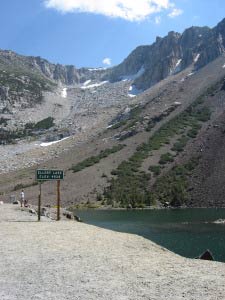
22 197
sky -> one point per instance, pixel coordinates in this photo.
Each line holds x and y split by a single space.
97 33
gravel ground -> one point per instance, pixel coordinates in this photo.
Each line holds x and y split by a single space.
70 260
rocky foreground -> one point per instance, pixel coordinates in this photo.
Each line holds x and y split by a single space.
70 260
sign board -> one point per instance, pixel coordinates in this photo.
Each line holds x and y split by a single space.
49 175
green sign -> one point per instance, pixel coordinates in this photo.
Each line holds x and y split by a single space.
49 175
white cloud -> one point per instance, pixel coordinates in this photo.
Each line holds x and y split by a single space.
175 12
157 20
107 61
131 10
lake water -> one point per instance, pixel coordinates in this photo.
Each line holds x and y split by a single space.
188 232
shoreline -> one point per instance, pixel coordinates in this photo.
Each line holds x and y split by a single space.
144 208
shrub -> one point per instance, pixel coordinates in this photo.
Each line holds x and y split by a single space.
165 158
156 170
44 124
180 144
21 186
173 186
90 161
114 172
118 124
192 133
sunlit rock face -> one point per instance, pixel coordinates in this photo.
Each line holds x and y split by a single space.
197 46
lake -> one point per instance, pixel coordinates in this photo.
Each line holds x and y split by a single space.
187 232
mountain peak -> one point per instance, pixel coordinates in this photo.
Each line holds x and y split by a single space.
174 34
196 46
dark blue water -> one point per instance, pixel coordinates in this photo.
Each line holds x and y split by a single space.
188 232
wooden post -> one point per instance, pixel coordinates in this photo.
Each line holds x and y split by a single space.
58 200
39 203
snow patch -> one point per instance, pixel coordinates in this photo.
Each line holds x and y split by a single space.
93 85
133 91
51 143
178 62
86 82
64 93
133 76
96 69
190 74
177 67
196 57
223 66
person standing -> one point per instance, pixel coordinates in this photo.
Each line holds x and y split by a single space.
22 197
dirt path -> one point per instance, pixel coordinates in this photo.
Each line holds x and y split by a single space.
70 260
14 213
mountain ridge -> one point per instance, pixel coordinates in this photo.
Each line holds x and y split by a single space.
173 53
164 54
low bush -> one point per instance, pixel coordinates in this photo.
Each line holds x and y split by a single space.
44 124
173 186
180 144
156 170
90 161
166 158
21 186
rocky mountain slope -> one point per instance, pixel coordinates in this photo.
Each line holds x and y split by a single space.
67 75
171 54
32 90
30 82
116 147
171 117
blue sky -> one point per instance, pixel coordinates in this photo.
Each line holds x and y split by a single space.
87 32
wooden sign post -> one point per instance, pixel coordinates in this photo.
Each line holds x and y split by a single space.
39 203
44 175
58 200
